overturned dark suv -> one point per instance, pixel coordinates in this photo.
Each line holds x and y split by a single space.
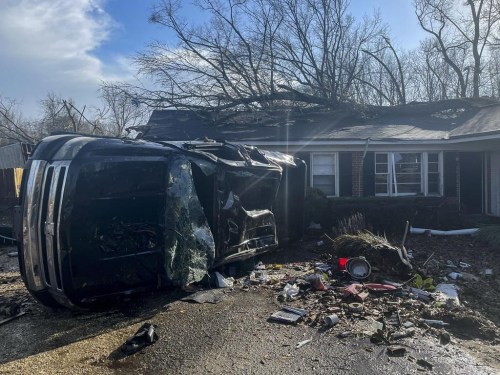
101 217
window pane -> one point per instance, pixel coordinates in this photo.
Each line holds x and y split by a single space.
433 168
381 178
323 160
433 173
325 183
409 188
433 187
323 164
324 170
381 158
407 157
433 157
408 178
408 169
381 168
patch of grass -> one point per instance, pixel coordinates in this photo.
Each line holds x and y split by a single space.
353 224
359 243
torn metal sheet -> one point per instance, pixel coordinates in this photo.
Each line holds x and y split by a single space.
288 314
206 296
285 317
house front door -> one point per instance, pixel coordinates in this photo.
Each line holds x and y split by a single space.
471 182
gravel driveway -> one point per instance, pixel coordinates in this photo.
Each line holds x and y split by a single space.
231 337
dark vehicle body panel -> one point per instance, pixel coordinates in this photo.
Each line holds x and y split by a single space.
102 217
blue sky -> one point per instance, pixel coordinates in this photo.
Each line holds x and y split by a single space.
68 47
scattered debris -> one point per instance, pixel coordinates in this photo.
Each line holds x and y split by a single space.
290 292
358 268
435 232
344 334
260 266
302 343
342 263
295 310
402 334
381 288
488 272
144 336
352 290
316 281
9 309
394 319
224 282
356 307
448 293
206 296
396 351
288 314
331 320
444 338
376 250
12 317
369 326
425 364
285 317
421 294
434 322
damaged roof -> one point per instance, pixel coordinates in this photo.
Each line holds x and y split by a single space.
412 122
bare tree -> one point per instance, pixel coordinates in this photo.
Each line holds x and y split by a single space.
388 59
493 74
320 47
257 54
12 125
120 111
62 115
469 28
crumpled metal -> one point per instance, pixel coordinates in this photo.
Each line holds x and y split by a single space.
189 243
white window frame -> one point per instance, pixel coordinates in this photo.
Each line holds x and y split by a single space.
335 171
424 173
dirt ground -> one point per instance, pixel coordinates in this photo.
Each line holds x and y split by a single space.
236 335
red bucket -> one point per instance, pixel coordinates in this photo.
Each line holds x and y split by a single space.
342 263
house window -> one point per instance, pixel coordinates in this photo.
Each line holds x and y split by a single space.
433 174
323 173
408 173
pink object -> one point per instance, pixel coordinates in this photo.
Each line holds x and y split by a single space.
352 290
380 288
316 281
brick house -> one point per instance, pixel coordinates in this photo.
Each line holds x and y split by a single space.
447 149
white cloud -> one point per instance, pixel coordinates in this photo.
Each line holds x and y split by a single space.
49 45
